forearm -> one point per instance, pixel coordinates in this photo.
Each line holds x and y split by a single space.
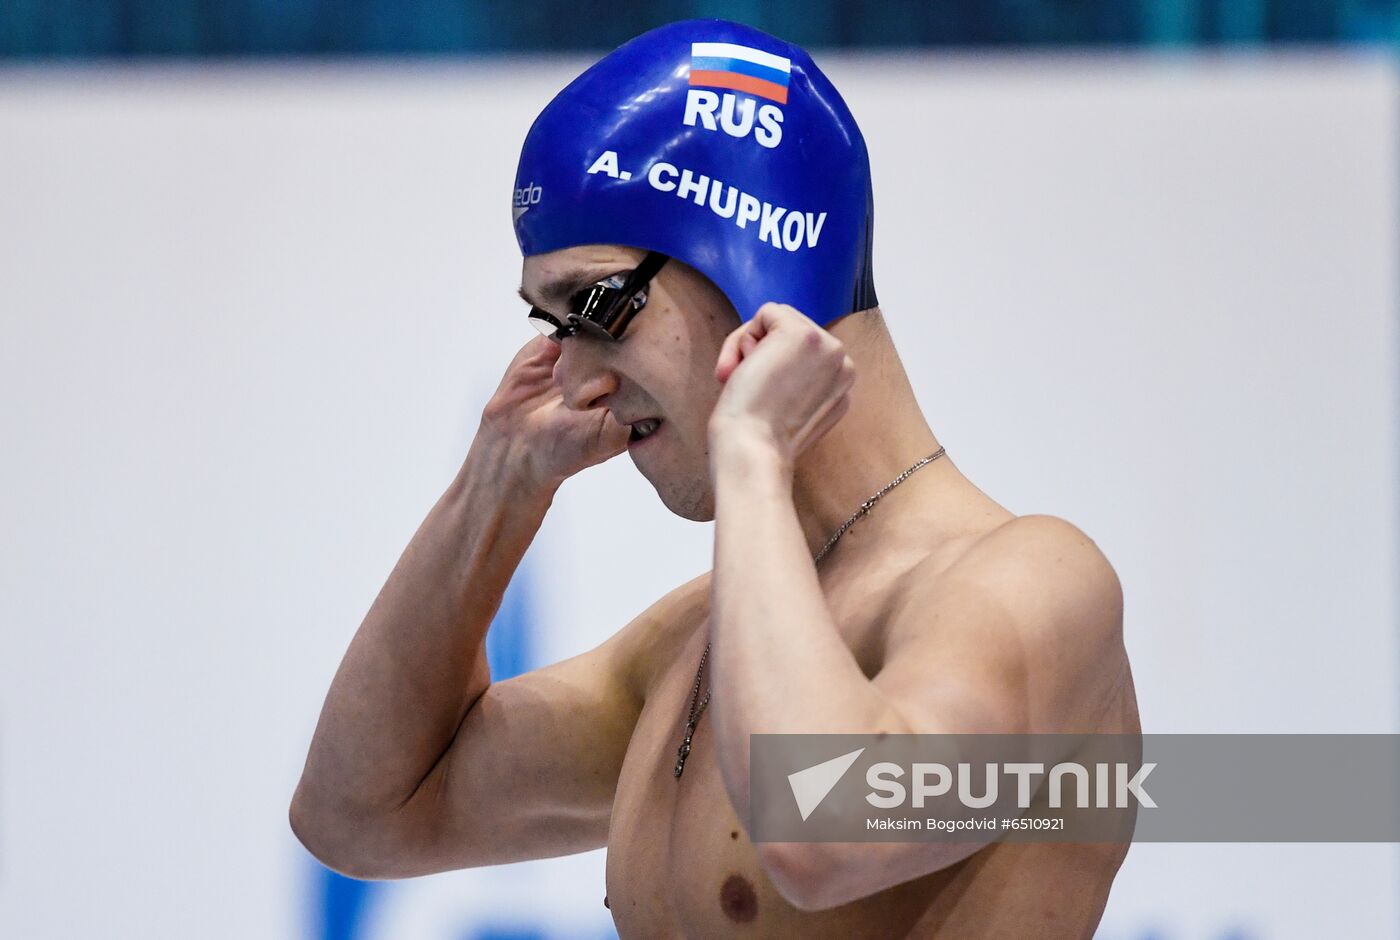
780 666
417 663
783 668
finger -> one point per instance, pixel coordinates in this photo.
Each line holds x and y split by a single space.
768 317
545 348
536 350
728 356
801 335
729 352
769 313
773 316
612 435
530 367
535 362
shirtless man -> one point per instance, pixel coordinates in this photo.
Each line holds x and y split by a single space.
939 611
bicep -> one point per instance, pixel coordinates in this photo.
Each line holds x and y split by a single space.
533 767
532 770
958 667
1020 639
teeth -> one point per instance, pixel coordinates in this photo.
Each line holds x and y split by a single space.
646 427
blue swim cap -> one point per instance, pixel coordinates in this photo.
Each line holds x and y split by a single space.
716 144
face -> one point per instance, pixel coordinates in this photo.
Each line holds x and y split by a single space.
659 377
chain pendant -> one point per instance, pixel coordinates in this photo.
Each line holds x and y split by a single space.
684 750
697 708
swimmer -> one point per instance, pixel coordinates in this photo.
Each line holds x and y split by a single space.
695 215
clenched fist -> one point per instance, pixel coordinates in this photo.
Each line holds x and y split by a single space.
785 379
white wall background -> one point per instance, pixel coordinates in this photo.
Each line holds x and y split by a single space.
247 319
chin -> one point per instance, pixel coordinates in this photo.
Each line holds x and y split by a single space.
695 502
695 512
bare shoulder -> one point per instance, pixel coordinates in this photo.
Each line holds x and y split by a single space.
655 636
1030 612
1048 570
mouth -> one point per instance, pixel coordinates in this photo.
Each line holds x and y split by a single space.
643 429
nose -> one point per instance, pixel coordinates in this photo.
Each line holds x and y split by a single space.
582 373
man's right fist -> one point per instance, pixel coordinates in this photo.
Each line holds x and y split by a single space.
528 409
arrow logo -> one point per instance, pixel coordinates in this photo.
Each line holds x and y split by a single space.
810 786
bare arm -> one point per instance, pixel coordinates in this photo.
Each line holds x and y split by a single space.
1012 641
418 762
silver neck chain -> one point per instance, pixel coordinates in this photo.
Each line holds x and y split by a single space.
697 704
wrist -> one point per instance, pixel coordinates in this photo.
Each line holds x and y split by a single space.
747 450
504 463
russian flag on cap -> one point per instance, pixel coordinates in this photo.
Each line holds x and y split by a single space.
729 65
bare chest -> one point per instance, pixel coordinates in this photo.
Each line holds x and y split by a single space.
674 843
680 862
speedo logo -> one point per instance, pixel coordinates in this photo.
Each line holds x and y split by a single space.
782 228
525 197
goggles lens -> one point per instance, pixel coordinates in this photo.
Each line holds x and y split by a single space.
545 322
605 308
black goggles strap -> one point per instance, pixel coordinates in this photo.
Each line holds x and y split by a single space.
646 270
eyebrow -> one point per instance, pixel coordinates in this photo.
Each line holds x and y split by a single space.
566 285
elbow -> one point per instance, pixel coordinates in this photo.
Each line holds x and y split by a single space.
316 832
805 873
817 876
334 840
